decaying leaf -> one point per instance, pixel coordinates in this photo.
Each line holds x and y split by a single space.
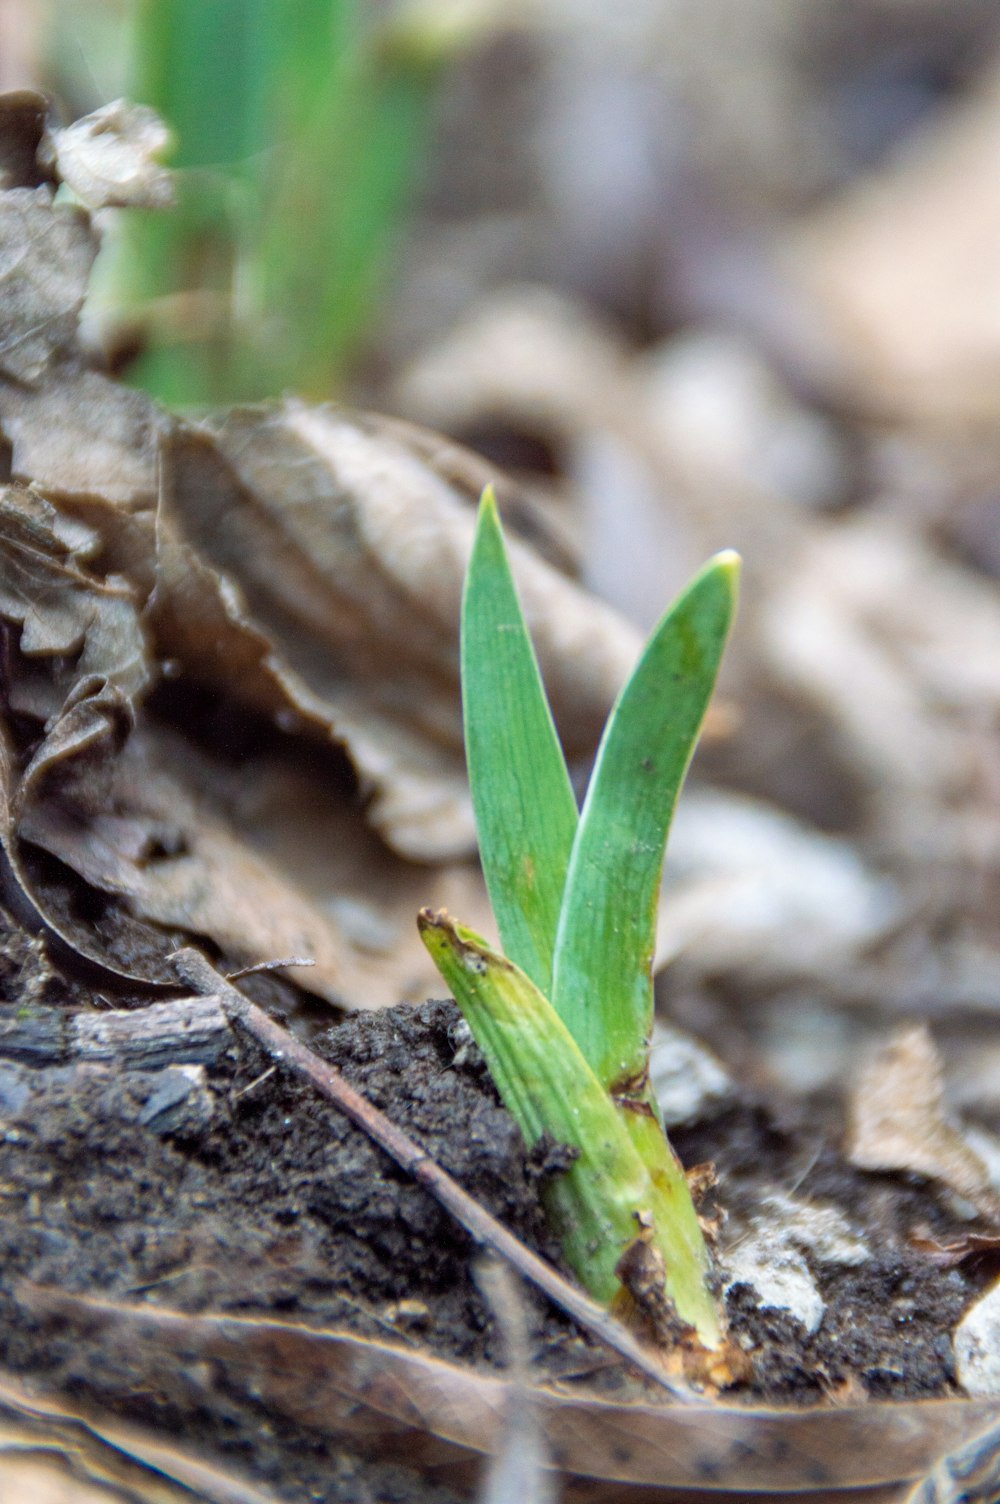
46 252
442 1417
898 1121
348 552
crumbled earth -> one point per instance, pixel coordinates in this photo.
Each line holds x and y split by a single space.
263 1199
888 1320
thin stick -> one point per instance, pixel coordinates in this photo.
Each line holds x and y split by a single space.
478 1223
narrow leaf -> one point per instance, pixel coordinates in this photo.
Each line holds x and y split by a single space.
549 1088
525 810
603 985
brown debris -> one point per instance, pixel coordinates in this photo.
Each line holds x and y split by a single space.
898 1121
971 1245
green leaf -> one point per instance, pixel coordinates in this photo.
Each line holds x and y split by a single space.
526 814
603 983
548 1087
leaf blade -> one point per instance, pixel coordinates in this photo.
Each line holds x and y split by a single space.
526 813
625 1177
602 981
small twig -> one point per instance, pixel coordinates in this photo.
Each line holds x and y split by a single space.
259 966
478 1223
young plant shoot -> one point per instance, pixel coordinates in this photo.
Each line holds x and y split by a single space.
564 1017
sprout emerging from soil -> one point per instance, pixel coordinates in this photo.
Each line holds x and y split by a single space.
564 1017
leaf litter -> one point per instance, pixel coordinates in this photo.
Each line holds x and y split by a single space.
301 564
167 682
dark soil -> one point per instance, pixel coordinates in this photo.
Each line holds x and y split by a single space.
254 1196
888 1321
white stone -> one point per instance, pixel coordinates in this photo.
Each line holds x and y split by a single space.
772 1257
690 1082
778 1276
814 1228
977 1346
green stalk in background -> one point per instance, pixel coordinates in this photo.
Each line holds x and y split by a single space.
300 130
565 1019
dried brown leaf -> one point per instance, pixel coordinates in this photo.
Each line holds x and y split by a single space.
261 862
51 1453
438 1415
178 866
80 435
897 1120
46 253
971 1245
347 551
111 807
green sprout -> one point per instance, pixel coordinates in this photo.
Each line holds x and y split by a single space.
564 1019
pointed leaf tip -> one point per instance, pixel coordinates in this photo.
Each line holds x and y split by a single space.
488 503
725 567
526 813
602 982
729 562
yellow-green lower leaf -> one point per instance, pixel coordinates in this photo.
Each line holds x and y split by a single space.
625 1179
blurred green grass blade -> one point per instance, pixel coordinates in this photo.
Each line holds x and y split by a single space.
602 983
623 1167
204 64
207 68
336 201
300 126
526 814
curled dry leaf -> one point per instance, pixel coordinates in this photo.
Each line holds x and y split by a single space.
897 1121
110 801
441 1417
165 833
348 551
